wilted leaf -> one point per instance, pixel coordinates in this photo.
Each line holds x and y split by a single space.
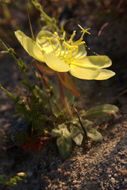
77 135
102 111
64 146
94 135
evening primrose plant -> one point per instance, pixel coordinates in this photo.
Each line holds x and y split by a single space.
64 55
47 114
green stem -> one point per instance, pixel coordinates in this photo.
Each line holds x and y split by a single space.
45 17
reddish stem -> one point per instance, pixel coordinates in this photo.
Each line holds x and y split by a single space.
63 98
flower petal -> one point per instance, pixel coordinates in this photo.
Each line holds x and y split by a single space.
55 63
90 73
81 52
97 61
105 74
29 45
84 73
47 41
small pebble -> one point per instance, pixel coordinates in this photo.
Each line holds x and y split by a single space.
113 180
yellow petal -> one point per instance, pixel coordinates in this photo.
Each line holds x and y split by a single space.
55 63
90 73
81 52
29 45
47 41
97 61
84 73
105 74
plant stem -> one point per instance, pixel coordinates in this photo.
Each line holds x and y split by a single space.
63 98
46 18
85 133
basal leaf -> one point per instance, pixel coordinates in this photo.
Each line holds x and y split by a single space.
61 130
78 139
64 146
87 123
94 135
77 135
91 132
102 111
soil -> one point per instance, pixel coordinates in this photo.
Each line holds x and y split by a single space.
102 166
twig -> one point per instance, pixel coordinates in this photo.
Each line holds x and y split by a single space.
85 133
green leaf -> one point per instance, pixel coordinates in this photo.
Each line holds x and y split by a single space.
94 135
87 123
78 139
64 141
91 132
64 146
61 131
76 134
102 111
9 94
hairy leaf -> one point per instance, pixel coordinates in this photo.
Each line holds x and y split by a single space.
64 146
102 111
61 131
94 135
77 135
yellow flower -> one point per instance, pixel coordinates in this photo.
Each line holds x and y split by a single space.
64 55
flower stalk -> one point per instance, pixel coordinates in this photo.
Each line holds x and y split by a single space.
63 98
